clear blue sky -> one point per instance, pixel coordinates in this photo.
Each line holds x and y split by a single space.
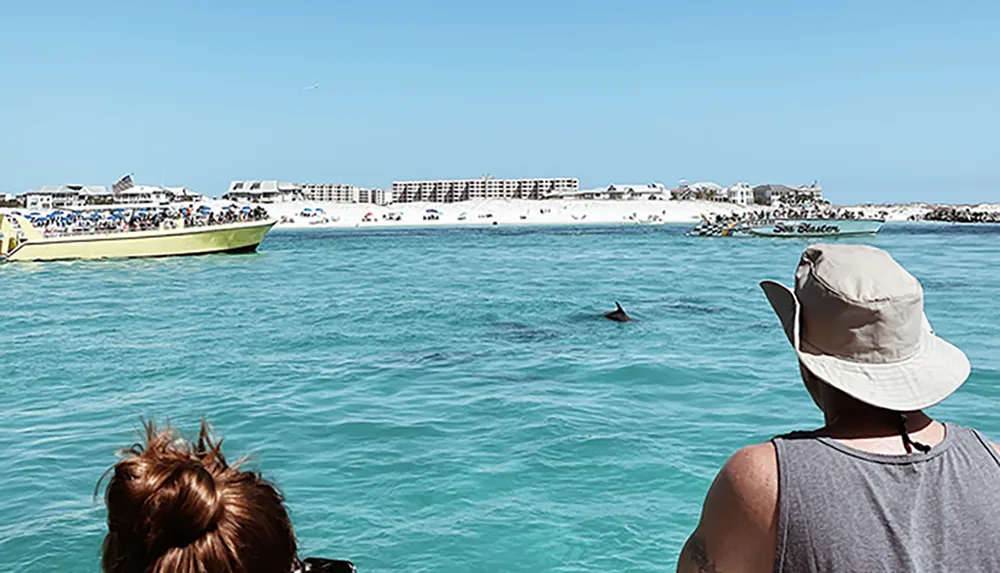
878 100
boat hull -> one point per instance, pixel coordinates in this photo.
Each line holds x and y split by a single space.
229 238
815 227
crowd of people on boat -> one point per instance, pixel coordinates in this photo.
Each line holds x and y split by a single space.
721 223
958 215
119 220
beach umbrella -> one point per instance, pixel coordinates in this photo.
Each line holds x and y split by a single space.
306 210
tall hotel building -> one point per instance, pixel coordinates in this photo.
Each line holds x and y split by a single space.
450 191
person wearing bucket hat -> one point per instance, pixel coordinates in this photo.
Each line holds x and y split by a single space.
881 486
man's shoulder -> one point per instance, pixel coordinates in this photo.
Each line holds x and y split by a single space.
738 527
981 435
748 485
752 474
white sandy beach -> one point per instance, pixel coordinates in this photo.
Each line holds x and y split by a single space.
535 213
497 211
549 212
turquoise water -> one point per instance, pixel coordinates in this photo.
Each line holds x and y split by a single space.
441 400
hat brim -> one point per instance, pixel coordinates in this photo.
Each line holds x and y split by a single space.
928 377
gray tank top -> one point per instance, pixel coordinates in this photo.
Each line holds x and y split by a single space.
842 509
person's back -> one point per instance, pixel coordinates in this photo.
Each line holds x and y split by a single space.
882 486
846 509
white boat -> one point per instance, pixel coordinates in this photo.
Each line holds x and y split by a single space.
801 228
815 227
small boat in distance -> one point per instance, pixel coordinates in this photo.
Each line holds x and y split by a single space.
20 240
779 227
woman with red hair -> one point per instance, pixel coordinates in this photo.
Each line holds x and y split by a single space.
176 506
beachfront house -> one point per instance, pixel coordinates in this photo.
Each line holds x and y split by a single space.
49 197
702 190
271 191
635 192
740 193
155 195
614 192
777 194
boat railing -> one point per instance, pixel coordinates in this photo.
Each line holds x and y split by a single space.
164 225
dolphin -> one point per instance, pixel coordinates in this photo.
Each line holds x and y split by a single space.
617 315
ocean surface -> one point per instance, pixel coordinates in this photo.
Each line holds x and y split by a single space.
439 400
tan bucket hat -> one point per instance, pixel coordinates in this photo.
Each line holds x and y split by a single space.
856 320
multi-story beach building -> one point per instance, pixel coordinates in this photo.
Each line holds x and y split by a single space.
332 192
449 191
776 194
740 193
274 191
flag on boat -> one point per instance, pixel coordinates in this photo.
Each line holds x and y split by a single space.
123 184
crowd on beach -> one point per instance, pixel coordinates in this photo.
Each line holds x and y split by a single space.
61 223
958 215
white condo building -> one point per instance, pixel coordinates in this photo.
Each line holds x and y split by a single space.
274 191
450 191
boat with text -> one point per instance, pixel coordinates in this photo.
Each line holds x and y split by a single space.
778 227
114 234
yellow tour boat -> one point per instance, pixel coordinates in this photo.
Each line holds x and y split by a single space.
21 241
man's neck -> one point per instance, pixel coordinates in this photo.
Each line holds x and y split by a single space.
879 431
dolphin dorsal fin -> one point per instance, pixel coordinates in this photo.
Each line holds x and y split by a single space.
619 307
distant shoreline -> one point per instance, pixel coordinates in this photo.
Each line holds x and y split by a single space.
550 212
